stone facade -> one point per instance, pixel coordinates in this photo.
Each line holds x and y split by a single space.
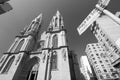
47 58
100 62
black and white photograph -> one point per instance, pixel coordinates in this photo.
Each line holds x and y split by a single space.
59 39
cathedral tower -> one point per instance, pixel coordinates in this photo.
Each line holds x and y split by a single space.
31 58
11 63
55 62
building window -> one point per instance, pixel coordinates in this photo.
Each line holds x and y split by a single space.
54 61
101 77
31 26
93 47
92 55
111 70
111 55
107 39
97 54
56 22
89 48
100 61
2 59
116 51
13 46
33 73
8 65
2 64
99 71
103 35
105 70
106 60
40 45
95 50
102 65
98 47
95 62
19 45
98 57
93 58
55 41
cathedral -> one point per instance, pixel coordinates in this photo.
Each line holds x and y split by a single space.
35 56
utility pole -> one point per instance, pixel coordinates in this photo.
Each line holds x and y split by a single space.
95 13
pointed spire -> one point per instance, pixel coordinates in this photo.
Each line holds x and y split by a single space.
57 13
39 18
56 22
35 24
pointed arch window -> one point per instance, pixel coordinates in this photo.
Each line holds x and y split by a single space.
13 46
55 22
3 63
54 61
55 41
33 72
60 21
19 45
8 65
30 26
41 44
2 59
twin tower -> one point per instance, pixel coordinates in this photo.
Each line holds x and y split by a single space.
35 57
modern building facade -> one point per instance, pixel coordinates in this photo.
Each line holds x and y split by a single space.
107 33
100 62
31 58
86 68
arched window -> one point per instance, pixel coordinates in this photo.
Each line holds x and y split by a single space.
30 26
54 61
2 59
33 73
13 46
19 45
55 22
41 44
55 41
8 65
3 63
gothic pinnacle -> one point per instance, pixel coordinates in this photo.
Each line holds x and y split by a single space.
39 18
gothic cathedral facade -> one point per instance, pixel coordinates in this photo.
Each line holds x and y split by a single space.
31 57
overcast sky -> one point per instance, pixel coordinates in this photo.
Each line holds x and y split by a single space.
73 12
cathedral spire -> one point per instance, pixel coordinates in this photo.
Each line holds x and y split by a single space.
56 23
34 26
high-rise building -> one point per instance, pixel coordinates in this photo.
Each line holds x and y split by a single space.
107 33
100 62
86 68
74 66
31 58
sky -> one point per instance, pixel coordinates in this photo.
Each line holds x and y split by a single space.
73 12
